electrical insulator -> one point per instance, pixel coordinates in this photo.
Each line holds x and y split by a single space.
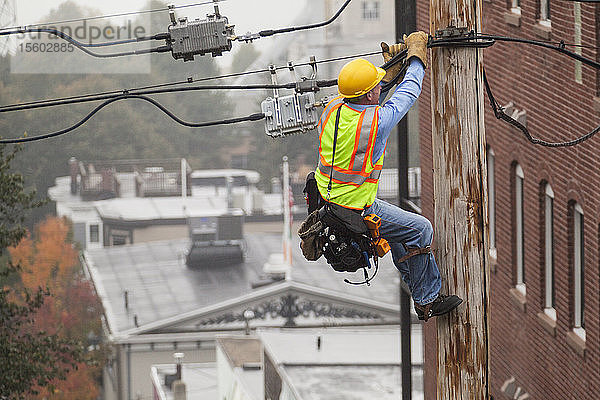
199 37
294 113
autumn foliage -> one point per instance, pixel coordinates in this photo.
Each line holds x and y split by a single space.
48 260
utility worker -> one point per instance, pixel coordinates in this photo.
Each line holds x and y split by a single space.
363 128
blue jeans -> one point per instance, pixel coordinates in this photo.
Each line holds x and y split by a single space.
403 229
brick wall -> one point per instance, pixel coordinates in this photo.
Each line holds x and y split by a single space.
542 83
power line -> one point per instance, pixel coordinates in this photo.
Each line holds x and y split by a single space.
111 15
79 44
270 32
325 83
252 117
160 36
190 80
497 109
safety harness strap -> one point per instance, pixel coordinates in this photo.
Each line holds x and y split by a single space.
335 132
414 252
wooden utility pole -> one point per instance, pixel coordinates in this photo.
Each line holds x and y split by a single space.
460 203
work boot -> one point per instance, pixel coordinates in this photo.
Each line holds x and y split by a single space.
441 305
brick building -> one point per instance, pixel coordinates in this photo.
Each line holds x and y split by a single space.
544 206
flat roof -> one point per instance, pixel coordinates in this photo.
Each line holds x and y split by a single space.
352 382
160 285
351 363
200 380
160 208
241 350
348 346
252 176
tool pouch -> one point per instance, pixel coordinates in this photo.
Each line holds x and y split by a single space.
345 220
311 193
311 238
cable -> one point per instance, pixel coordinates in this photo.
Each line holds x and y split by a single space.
82 46
41 103
500 114
64 36
271 32
538 43
497 109
110 15
292 85
253 117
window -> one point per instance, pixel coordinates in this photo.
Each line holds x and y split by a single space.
578 271
545 12
370 10
94 233
516 6
549 252
119 240
519 236
491 158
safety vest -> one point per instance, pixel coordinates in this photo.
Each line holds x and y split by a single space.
355 175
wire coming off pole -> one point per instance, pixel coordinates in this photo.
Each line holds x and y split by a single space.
253 117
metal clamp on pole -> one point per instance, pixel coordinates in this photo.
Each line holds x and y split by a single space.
451 32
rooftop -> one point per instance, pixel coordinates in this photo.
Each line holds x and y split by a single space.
349 364
160 286
200 380
160 208
350 346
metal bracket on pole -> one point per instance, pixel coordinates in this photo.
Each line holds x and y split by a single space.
295 99
172 14
277 110
308 84
451 32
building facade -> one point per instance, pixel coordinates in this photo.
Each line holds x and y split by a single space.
543 205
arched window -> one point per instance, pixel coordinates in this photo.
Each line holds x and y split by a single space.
578 271
491 180
549 301
519 230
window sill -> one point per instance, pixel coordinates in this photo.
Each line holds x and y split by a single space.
548 323
542 31
512 18
518 299
576 343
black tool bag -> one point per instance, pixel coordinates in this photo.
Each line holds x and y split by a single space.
346 245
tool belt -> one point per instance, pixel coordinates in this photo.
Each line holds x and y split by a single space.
338 233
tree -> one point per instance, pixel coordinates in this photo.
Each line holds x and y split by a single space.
73 311
29 357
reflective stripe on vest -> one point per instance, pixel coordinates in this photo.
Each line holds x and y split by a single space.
358 170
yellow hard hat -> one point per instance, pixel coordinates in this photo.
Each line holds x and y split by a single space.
358 77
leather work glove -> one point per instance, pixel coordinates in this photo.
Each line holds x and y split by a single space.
417 46
388 53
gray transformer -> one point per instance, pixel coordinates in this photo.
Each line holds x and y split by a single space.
198 37
286 115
